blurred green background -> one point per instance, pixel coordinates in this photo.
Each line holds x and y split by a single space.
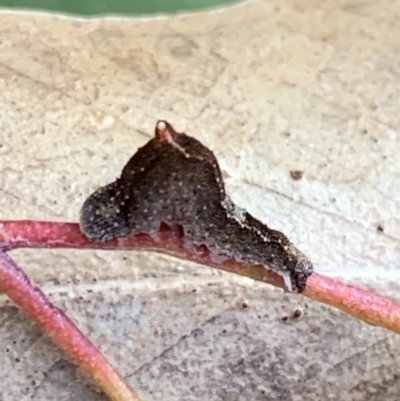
130 7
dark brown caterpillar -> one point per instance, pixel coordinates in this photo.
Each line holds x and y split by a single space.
176 180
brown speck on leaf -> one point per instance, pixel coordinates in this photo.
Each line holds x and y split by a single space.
296 175
315 330
296 314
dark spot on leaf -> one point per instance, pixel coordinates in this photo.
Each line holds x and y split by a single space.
296 313
296 175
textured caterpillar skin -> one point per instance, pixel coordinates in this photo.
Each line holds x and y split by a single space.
176 180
